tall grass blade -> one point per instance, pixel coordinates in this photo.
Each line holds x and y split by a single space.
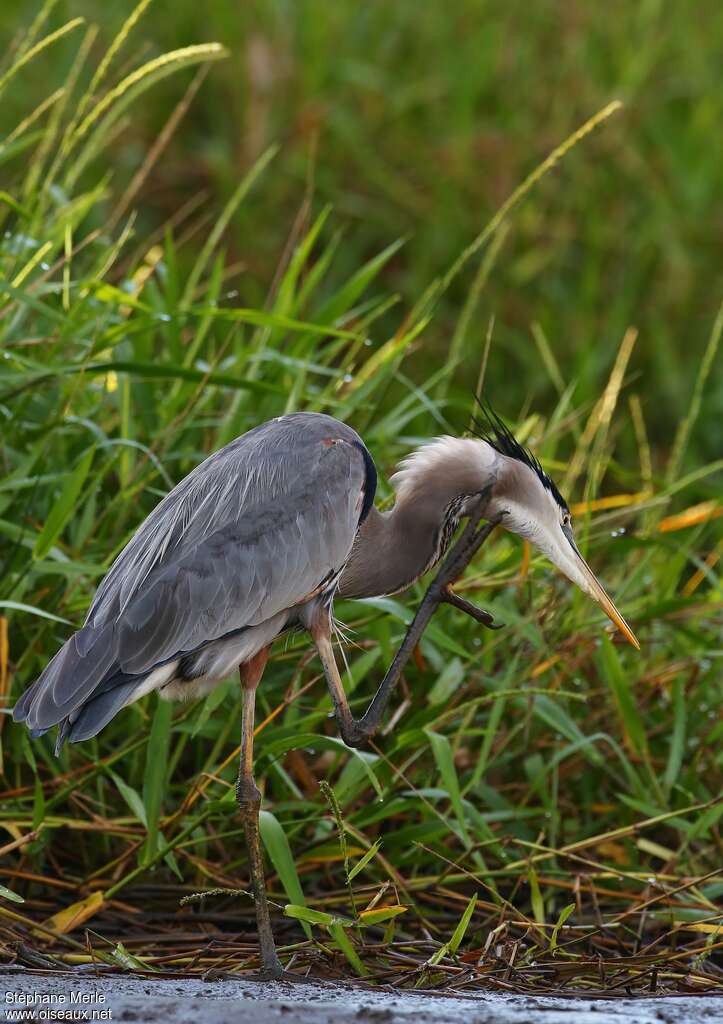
65 506
215 235
154 777
688 422
439 287
279 851
442 750
33 52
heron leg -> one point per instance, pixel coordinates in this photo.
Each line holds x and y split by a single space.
249 801
355 732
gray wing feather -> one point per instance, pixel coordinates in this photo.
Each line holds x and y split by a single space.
252 531
98 712
75 671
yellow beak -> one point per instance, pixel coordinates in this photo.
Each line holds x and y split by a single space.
599 594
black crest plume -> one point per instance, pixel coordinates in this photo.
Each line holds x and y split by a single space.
490 427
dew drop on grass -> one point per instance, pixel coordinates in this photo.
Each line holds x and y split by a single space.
165 317
348 378
368 342
45 266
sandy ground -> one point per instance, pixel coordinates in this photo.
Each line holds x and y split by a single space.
90 997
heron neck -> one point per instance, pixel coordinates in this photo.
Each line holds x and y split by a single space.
393 549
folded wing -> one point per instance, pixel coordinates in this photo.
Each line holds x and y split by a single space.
257 528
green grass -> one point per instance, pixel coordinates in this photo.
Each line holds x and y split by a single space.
540 782
418 125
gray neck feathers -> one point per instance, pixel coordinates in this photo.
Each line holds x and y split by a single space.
393 549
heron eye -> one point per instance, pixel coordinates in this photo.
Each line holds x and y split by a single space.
566 519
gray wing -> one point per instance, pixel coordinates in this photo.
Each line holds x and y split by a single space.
255 529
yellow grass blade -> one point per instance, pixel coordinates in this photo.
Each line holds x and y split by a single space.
692 516
544 665
599 421
69 918
611 501
38 48
32 117
641 436
513 200
698 576
40 18
49 144
186 55
128 25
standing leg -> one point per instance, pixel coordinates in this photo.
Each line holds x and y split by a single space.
249 801
355 732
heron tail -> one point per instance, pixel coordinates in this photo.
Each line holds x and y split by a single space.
69 680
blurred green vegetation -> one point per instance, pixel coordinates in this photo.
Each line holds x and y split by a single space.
261 272
417 120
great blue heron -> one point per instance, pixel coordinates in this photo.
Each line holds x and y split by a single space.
260 538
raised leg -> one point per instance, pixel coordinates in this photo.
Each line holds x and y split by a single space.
355 732
249 801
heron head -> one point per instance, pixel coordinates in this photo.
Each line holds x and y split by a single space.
531 506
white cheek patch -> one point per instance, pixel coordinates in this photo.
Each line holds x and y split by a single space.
519 520
547 537
531 510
